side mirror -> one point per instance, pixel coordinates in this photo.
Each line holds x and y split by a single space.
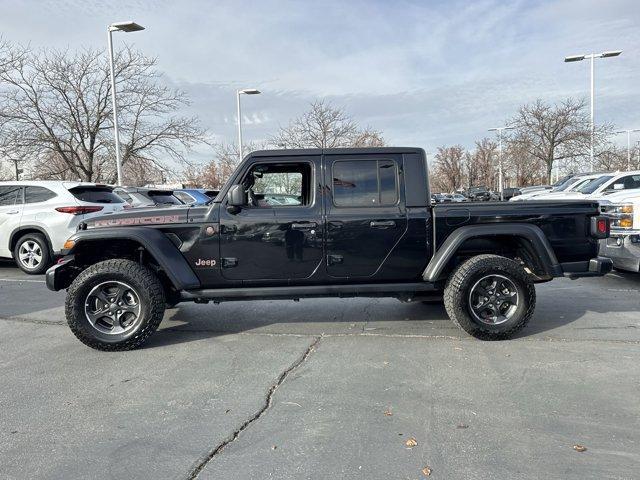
236 197
618 186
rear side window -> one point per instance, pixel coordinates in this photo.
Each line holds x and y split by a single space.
365 183
96 195
9 195
37 194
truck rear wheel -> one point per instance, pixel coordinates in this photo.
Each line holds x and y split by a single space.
115 305
490 297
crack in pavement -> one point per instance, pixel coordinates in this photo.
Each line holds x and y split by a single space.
202 463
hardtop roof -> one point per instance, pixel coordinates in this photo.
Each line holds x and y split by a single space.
334 151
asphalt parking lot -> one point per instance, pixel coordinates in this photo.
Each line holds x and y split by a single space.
325 389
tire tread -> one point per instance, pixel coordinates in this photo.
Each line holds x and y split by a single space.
142 274
457 309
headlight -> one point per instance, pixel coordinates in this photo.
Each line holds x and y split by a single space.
621 215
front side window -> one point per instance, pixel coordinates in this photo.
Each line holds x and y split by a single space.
9 195
626 183
37 194
364 183
279 185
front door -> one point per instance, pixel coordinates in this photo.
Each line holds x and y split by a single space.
278 234
11 207
365 212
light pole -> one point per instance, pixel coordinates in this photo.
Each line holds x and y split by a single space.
592 57
629 132
500 130
246 91
117 27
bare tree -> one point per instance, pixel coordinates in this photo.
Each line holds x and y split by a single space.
56 107
325 126
521 169
480 166
612 158
553 132
216 173
448 173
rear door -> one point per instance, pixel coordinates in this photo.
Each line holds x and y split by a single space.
365 212
10 212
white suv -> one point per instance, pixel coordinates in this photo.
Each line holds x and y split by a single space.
37 217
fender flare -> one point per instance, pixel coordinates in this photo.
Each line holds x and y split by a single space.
531 233
155 242
19 231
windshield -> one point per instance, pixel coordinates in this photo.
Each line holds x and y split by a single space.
579 184
593 185
564 185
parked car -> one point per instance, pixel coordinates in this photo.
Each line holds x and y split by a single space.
457 198
568 185
509 193
441 198
147 197
478 194
623 247
599 186
364 227
37 217
195 196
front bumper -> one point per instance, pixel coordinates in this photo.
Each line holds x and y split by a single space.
623 250
61 274
596 267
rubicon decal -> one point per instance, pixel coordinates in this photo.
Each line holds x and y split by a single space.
121 222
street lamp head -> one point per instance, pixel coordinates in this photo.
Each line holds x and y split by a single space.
126 27
574 58
249 91
613 53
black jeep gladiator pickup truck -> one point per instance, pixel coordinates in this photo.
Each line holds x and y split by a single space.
293 224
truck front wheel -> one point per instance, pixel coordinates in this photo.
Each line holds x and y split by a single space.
490 297
115 305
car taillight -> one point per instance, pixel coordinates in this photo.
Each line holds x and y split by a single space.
600 227
78 210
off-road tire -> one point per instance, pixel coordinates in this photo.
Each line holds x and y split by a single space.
151 298
43 246
459 284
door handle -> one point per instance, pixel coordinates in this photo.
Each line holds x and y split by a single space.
382 224
13 212
303 226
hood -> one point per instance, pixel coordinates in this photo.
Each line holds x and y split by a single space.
141 217
560 196
621 196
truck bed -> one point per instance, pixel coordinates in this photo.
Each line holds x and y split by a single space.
565 223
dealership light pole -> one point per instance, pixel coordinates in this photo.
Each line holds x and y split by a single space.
592 57
245 91
117 27
629 132
500 130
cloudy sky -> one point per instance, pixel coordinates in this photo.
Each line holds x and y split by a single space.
425 73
